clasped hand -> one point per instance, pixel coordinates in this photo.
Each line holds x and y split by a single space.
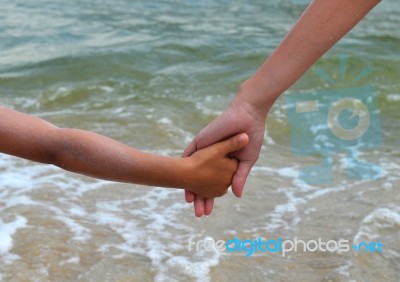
239 117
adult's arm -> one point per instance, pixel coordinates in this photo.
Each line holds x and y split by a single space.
322 24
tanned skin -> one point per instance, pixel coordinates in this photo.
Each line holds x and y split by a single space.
208 172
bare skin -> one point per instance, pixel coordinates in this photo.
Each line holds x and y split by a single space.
207 172
323 24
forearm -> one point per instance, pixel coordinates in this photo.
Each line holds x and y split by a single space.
208 172
323 24
85 152
101 157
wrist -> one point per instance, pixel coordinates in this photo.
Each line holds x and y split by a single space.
184 167
253 99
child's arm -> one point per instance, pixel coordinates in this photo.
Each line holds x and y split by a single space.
208 172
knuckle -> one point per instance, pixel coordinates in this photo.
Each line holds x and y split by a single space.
233 143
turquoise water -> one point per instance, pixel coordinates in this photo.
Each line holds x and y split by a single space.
151 75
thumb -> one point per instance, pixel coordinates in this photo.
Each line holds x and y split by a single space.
190 149
234 143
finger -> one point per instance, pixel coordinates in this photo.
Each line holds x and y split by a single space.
190 149
189 196
239 179
235 143
208 206
198 206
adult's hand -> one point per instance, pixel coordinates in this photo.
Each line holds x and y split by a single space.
318 29
239 117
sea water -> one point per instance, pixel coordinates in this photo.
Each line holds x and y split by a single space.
151 74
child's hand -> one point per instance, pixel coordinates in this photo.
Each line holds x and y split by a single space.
211 170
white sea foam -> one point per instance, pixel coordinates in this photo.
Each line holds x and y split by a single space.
393 97
177 134
7 230
212 105
289 172
195 268
377 222
153 230
344 269
149 224
75 260
160 249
